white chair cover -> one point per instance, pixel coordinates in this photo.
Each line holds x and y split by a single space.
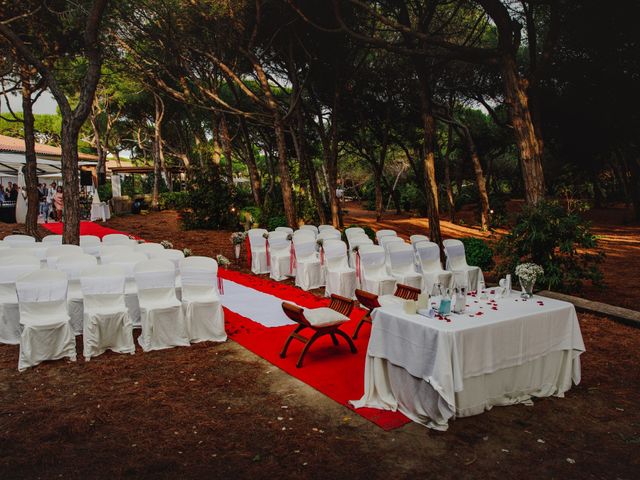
107 325
161 316
90 244
464 275
280 253
402 266
53 253
106 251
149 248
385 241
18 240
357 242
385 233
373 272
17 252
118 239
329 233
201 304
171 254
4 246
309 271
325 227
128 261
257 244
311 228
308 234
340 278
73 266
352 231
432 272
52 240
288 230
46 333
10 269
418 238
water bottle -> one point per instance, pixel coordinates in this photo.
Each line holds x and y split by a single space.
461 300
508 284
445 303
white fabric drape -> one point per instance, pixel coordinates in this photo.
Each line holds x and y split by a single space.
46 333
339 277
257 244
471 363
309 271
373 272
280 253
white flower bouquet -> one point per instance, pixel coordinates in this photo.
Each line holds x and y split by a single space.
222 260
529 272
319 242
265 235
187 252
166 244
237 238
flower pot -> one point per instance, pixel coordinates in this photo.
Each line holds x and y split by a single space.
527 287
236 248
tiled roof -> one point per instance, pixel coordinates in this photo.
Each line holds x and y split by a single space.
16 145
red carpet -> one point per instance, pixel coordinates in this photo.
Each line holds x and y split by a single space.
86 228
333 371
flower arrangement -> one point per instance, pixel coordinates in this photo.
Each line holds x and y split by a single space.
137 240
290 237
166 244
265 235
237 238
529 271
222 260
187 252
320 242
355 248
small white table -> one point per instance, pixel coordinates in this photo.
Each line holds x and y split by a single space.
100 211
433 370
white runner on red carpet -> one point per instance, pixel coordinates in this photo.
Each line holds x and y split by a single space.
260 307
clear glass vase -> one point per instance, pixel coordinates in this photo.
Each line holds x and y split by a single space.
527 287
236 249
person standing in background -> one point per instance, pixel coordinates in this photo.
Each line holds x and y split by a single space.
43 192
58 202
1 193
13 195
49 201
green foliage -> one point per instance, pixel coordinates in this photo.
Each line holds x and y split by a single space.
105 192
369 232
208 202
173 200
478 253
251 215
275 222
556 238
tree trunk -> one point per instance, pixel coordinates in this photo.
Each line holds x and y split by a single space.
30 171
252 166
226 148
480 180
300 145
157 151
283 170
377 180
71 188
528 143
447 174
429 143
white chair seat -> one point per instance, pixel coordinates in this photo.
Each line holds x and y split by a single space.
324 317
389 299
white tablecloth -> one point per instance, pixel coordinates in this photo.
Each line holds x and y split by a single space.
100 211
433 370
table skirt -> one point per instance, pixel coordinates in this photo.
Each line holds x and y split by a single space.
390 387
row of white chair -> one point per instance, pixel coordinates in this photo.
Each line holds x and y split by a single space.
374 268
35 306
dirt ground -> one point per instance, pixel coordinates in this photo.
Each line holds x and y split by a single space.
219 410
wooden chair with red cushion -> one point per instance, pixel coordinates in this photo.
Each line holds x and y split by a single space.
323 321
371 301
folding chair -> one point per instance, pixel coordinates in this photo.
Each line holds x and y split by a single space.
322 321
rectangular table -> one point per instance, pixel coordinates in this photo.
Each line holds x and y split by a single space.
499 353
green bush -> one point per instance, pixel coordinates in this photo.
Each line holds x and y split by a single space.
251 215
105 192
557 239
478 253
208 202
173 200
275 222
367 230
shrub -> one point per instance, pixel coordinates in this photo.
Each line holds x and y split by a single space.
250 216
275 222
207 202
557 239
173 200
478 253
105 192
367 230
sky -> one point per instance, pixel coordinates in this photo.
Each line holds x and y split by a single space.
45 104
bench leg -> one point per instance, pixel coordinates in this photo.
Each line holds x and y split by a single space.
306 347
348 339
293 335
363 320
